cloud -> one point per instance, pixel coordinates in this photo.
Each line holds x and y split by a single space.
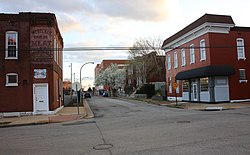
153 10
96 56
43 6
68 23
150 10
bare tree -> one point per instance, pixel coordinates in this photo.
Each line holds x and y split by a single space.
148 58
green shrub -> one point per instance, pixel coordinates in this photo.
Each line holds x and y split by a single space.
148 89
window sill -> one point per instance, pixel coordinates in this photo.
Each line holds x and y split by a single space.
243 81
11 84
202 60
10 58
242 59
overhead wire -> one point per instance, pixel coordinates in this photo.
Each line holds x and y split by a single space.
122 48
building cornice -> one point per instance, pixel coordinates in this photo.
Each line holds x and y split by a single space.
207 27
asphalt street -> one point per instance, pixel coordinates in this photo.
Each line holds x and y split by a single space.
123 127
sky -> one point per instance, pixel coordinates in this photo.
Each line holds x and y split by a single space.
119 23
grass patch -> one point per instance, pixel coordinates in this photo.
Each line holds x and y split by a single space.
180 106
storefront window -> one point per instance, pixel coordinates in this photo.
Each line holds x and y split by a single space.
185 86
204 84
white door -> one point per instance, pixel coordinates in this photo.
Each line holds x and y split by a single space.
195 92
41 98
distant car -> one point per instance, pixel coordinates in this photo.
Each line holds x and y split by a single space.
105 94
87 95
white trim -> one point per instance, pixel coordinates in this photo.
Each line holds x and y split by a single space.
169 61
242 81
34 98
241 47
175 60
7 84
6 44
197 32
183 55
203 50
174 98
245 100
192 54
28 113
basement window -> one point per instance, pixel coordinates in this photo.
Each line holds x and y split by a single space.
11 79
243 78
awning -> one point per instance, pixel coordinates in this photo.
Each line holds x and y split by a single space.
212 70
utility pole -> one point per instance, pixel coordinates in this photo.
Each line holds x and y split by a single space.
71 81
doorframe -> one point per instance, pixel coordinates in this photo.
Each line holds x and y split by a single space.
194 91
34 97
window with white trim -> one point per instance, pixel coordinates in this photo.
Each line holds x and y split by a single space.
11 79
204 84
243 77
11 45
185 86
170 85
175 60
183 57
178 87
240 48
202 50
169 62
192 56
55 49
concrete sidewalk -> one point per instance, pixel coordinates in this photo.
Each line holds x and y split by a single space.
64 115
194 105
205 106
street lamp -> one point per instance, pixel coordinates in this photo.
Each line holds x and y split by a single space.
90 62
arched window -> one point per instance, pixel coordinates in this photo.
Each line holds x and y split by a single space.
240 48
192 54
202 50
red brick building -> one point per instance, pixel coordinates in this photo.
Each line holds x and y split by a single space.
147 69
209 60
31 63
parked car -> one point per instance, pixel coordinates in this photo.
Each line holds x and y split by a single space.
105 94
87 95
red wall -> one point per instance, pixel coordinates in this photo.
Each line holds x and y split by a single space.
20 98
228 55
13 99
222 51
173 71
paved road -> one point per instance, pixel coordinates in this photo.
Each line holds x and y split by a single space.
133 128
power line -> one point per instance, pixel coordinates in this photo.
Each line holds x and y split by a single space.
140 48
122 48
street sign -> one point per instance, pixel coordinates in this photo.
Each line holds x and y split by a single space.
175 85
76 86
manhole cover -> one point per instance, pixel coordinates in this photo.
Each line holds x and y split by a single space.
102 146
183 122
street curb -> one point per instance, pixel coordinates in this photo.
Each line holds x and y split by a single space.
89 113
25 124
